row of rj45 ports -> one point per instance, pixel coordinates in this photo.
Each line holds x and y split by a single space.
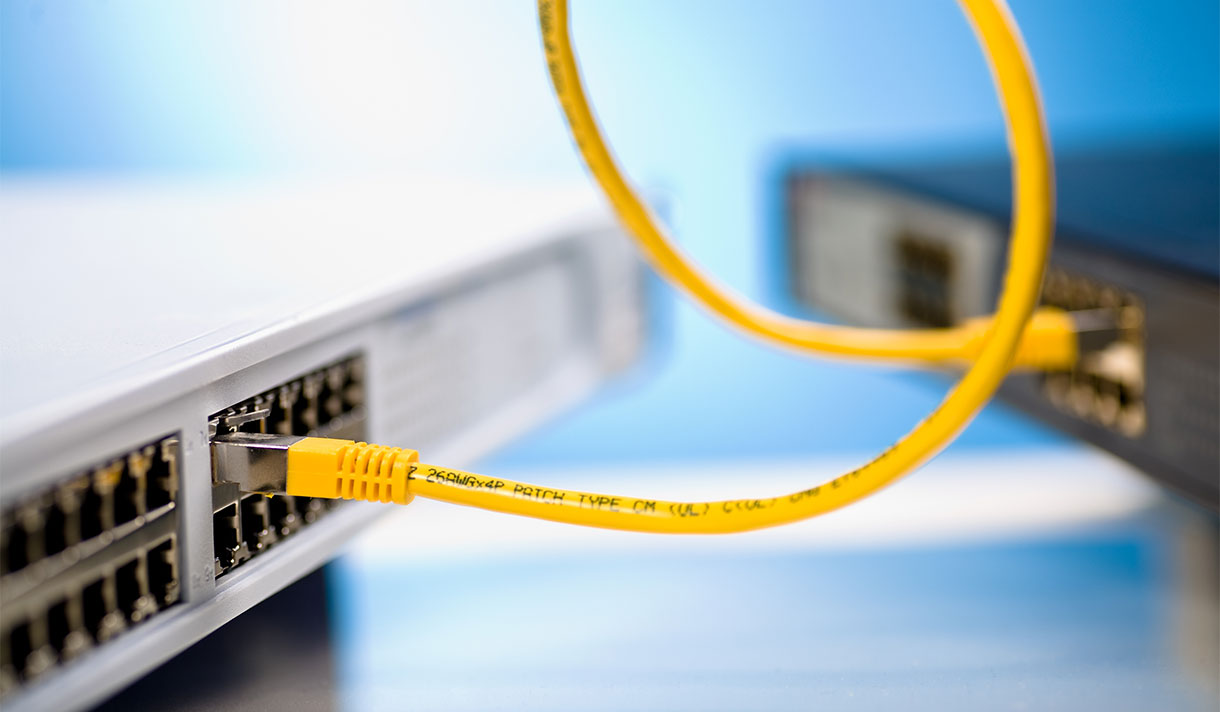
302 405
141 483
116 597
254 523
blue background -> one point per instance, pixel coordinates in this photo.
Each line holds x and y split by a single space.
698 99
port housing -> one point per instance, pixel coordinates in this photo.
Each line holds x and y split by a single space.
74 567
1106 386
328 401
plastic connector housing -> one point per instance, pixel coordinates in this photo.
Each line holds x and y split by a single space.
346 469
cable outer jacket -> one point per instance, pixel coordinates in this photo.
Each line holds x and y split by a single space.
1055 347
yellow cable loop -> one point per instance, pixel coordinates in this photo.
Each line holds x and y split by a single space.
1052 338
1030 244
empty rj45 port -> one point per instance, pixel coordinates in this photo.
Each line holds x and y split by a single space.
131 590
24 652
62 517
162 475
16 553
284 517
96 512
163 573
99 599
227 543
925 279
310 508
256 523
66 628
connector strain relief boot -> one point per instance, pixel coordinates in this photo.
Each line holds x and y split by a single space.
345 469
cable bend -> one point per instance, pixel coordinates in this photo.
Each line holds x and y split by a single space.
336 468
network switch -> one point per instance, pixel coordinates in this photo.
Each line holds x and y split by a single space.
481 311
923 246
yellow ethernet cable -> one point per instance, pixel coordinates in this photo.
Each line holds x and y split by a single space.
1050 341
318 467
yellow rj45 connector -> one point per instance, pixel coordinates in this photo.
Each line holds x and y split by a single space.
314 467
321 467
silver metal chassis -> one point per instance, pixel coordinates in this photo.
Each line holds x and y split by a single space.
600 331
